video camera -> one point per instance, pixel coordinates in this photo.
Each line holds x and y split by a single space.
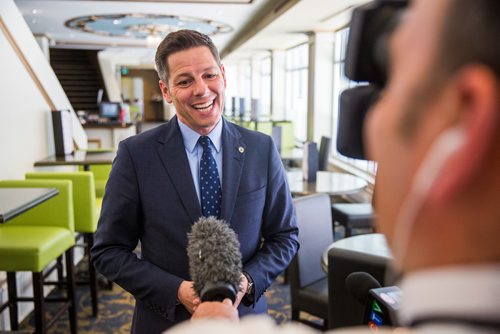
366 60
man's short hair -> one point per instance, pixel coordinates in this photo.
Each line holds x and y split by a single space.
179 41
470 35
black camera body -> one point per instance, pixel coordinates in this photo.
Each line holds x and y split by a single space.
366 60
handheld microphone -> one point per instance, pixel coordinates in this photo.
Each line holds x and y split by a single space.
381 303
359 285
214 260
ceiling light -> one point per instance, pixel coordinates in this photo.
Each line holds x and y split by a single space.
141 26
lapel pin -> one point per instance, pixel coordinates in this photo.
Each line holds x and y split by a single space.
241 149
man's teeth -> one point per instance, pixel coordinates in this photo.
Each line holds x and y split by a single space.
204 107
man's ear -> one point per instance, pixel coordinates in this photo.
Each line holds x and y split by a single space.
223 71
165 92
476 90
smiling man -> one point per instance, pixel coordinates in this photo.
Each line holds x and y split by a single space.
197 164
435 133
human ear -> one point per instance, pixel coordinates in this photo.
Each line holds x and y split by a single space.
476 91
223 72
165 92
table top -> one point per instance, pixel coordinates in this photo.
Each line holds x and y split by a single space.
79 158
372 243
332 183
14 201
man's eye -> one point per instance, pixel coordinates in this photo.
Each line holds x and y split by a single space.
183 83
211 76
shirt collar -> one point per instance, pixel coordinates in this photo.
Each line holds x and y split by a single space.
468 290
190 137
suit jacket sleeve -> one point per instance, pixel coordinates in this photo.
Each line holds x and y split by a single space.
117 236
279 232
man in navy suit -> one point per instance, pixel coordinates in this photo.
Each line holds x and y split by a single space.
153 194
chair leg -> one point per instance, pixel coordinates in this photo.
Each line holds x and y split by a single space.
12 293
40 323
89 241
348 231
71 286
60 272
295 315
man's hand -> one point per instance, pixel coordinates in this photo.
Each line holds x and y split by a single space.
187 296
241 290
224 310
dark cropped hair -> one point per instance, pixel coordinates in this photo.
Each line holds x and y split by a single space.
179 41
470 34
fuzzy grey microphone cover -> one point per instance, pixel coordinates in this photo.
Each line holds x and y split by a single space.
214 254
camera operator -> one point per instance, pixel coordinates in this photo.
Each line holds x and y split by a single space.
435 133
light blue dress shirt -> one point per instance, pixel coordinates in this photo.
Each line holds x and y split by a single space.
194 151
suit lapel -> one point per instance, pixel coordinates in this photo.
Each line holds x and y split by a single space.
174 159
233 160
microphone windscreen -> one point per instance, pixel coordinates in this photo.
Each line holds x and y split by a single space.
359 285
214 259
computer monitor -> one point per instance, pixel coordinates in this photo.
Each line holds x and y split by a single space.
109 110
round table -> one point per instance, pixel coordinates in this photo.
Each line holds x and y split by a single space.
373 244
332 183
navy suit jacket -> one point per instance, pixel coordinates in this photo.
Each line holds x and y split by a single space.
150 198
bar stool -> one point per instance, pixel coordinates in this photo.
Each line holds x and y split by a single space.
86 217
353 215
31 241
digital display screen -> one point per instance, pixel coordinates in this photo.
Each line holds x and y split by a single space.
109 110
382 307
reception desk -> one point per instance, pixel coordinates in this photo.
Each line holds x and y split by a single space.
109 134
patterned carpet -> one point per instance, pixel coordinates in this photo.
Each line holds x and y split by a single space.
116 307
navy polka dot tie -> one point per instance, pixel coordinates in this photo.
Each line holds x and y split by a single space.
210 190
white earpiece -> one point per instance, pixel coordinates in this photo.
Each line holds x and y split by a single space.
430 169
443 147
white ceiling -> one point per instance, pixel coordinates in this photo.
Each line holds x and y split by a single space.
48 17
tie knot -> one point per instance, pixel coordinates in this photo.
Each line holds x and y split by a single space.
205 142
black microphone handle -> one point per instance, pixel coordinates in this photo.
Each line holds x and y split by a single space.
218 291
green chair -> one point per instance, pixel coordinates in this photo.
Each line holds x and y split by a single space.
86 216
34 239
287 141
265 127
101 175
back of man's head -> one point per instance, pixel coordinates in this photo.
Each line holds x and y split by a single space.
470 35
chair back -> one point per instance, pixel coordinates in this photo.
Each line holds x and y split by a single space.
287 141
84 198
324 153
265 127
57 211
101 175
315 235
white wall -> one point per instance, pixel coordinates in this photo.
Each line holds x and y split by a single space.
25 120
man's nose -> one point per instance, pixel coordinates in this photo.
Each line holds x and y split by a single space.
200 87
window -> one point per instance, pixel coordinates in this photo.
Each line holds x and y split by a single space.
340 83
296 89
265 86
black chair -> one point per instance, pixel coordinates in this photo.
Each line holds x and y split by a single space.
344 309
324 153
353 215
308 282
